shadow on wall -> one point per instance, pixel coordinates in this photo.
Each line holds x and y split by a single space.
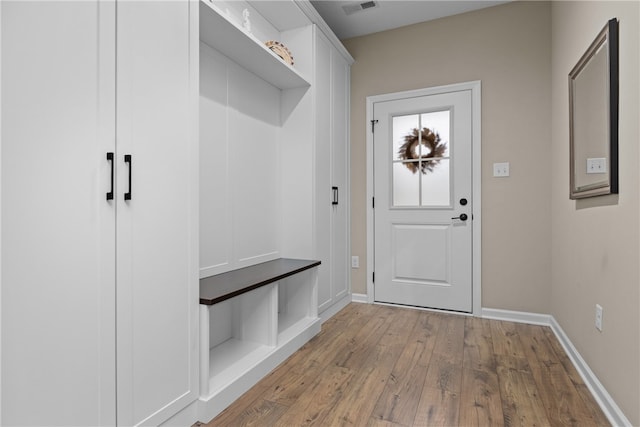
594 202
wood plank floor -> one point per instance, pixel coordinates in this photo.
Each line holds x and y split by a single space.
374 365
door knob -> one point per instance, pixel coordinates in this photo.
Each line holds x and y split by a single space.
462 217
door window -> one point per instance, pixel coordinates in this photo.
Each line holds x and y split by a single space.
421 159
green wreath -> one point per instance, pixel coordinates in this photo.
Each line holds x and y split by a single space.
431 141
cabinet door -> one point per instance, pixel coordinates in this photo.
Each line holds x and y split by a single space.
339 178
323 169
332 157
58 237
157 281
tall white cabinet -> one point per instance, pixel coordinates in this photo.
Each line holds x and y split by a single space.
58 230
146 144
332 88
99 294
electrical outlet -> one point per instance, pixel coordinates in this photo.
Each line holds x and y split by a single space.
501 169
599 317
355 261
597 165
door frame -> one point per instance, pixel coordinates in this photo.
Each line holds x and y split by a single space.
476 135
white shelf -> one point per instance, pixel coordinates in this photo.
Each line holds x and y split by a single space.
249 333
232 41
291 326
232 358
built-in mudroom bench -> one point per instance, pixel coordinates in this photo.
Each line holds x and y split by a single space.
272 145
251 320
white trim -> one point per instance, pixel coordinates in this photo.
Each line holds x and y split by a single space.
611 410
476 134
433 310
476 123
517 316
359 298
333 309
307 8
1 217
370 224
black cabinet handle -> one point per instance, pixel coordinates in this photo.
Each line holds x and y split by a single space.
335 195
127 159
110 159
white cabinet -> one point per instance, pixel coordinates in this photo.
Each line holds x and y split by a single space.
252 319
156 233
99 297
58 230
256 168
256 191
332 163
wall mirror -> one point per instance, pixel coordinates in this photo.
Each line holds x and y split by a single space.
593 117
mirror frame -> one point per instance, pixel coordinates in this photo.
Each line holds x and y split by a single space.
608 39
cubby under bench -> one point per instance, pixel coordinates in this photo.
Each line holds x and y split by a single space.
251 320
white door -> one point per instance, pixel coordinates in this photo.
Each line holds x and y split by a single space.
157 285
423 206
63 243
339 181
324 196
332 221
58 228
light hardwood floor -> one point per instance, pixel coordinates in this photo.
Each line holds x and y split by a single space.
374 365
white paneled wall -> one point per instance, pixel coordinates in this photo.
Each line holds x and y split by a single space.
256 158
254 121
215 201
240 197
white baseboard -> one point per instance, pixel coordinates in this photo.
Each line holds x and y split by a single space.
332 310
517 316
607 404
361 298
611 410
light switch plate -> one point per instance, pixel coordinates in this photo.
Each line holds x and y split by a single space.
501 170
599 317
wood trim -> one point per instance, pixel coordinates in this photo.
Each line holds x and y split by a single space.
224 286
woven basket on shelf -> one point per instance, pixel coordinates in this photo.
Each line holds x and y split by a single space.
280 50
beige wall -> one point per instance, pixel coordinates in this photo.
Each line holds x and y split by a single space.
542 252
596 254
508 48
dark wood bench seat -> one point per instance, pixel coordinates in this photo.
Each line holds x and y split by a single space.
221 287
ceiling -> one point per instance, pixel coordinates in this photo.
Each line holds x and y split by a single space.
388 14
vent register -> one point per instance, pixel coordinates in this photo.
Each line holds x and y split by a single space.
356 7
